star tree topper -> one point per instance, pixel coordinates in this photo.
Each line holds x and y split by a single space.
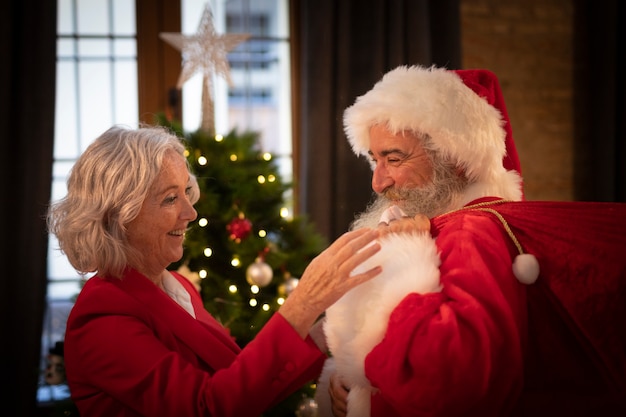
205 52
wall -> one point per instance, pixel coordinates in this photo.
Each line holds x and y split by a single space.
529 45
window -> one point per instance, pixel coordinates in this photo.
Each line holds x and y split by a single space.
260 99
96 68
97 86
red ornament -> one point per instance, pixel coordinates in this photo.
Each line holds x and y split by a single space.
239 228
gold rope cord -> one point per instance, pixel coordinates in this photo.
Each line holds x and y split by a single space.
506 227
483 207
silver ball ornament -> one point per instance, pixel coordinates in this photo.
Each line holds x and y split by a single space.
259 273
307 408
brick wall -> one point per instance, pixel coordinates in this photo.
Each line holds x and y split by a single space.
529 45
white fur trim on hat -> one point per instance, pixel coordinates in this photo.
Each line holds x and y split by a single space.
434 101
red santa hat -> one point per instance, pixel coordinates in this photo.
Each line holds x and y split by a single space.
464 114
462 111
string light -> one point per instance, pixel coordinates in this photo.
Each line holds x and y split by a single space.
232 288
203 222
235 262
203 273
253 302
254 289
233 157
208 252
266 307
271 178
202 160
261 179
280 301
267 156
219 138
284 212
262 233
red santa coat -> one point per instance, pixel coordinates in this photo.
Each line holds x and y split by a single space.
458 351
460 346
130 350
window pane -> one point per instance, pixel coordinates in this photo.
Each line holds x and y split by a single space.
65 17
66 48
265 91
65 133
125 48
60 171
61 269
92 48
95 100
64 290
124 17
125 90
93 17
253 17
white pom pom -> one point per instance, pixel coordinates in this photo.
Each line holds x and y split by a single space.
526 268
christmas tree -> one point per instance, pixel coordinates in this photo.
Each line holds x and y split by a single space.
245 251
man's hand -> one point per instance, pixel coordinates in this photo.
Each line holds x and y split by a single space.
417 224
338 396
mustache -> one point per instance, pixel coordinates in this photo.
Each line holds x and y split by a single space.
394 194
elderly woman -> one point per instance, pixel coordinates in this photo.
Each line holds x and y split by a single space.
139 341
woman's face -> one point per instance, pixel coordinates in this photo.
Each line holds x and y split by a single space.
158 231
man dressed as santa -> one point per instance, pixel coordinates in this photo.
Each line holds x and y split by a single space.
496 307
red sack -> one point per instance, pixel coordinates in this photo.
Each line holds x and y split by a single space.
577 307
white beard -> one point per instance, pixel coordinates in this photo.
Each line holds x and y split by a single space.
358 321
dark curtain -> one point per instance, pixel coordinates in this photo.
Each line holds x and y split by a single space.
27 90
342 49
600 101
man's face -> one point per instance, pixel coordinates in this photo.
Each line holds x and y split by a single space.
400 160
407 176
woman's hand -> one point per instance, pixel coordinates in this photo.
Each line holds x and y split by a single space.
329 276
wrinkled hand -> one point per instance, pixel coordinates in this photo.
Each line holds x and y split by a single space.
329 276
338 396
417 224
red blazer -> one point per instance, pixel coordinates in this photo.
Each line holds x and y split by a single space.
130 350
